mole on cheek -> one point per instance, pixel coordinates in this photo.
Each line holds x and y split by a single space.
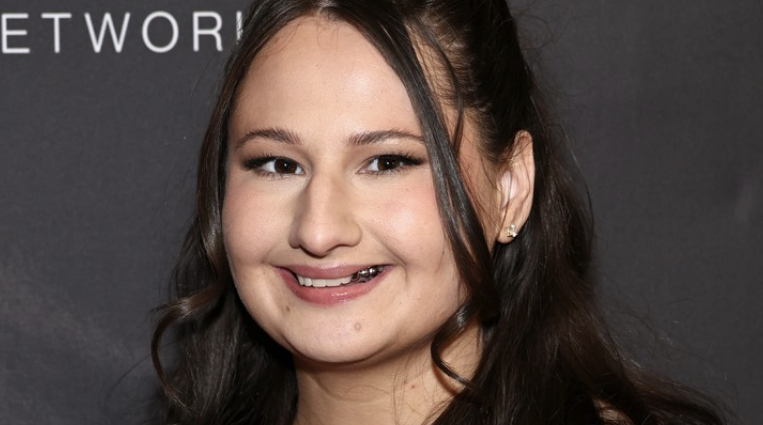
357 326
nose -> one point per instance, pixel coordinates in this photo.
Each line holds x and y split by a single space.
325 217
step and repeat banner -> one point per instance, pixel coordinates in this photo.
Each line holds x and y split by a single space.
103 106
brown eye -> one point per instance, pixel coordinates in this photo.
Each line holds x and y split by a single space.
284 166
274 165
391 163
387 163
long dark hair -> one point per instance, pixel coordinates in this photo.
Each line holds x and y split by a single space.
547 357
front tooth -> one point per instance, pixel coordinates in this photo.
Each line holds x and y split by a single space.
321 283
338 282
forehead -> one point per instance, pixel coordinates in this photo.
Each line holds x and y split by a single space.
326 69
314 34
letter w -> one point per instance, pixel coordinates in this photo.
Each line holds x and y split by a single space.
107 23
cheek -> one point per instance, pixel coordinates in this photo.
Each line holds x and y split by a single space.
409 220
240 225
248 225
249 234
254 207
413 232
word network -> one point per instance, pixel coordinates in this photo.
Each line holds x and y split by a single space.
14 30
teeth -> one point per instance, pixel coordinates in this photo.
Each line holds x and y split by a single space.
367 274
321 283
360 276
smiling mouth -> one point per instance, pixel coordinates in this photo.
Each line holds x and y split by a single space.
361 276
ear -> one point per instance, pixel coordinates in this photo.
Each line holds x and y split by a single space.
516 185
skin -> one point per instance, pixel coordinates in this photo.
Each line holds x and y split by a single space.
319 200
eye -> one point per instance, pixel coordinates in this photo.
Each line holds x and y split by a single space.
274 165
391 163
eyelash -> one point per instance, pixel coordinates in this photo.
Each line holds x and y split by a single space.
404 160
258 163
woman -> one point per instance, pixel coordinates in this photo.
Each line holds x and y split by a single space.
385 233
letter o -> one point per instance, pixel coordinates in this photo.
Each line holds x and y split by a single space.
147 41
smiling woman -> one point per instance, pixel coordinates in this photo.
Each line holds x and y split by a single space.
385 235
348 192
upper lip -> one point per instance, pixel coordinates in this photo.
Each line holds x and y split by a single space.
327 272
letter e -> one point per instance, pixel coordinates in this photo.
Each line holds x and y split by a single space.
5 33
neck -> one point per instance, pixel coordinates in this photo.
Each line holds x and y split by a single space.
410 390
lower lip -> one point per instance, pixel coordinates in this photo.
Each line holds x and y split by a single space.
330 295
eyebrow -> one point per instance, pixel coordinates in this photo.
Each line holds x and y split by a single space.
284 136
371 137
277 134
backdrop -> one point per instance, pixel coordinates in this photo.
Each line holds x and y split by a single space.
102 109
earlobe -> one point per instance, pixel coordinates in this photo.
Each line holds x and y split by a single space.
517 183
511 231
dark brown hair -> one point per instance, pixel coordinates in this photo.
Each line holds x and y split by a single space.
547 357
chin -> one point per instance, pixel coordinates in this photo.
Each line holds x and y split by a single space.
348 350
331 356
357 353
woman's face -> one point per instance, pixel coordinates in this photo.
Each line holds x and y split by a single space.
327 176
